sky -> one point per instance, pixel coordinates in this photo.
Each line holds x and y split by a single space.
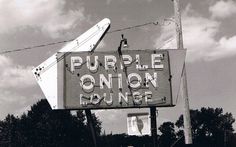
208 30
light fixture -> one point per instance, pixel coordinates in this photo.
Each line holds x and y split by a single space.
125 45
125 42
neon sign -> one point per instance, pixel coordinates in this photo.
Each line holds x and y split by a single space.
137 78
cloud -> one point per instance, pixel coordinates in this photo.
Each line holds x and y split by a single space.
17 91
13 75
49 17
223 9
12 102
16 87
108 2
199 34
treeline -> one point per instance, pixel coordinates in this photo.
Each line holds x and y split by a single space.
42 127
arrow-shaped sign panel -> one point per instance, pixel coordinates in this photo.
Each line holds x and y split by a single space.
46 73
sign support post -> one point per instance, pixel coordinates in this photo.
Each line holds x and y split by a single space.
179 39
153 125
91 126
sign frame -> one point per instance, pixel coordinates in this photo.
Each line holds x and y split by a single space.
61 64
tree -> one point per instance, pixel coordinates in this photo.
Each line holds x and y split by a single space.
168 135
45 127
210 126
9 131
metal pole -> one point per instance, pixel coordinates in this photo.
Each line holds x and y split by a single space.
91 126
225 138
179 39
153 125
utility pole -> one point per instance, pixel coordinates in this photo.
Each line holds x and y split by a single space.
184 90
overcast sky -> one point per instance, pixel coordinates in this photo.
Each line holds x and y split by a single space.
209 35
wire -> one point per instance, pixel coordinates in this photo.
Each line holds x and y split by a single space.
54 43
65 41
132 27
173 144
34 47
166 42
67 53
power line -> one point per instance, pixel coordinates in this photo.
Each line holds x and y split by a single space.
166 42
132 27
34 47
67 53
65 41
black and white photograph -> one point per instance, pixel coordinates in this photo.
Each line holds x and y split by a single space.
117 73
